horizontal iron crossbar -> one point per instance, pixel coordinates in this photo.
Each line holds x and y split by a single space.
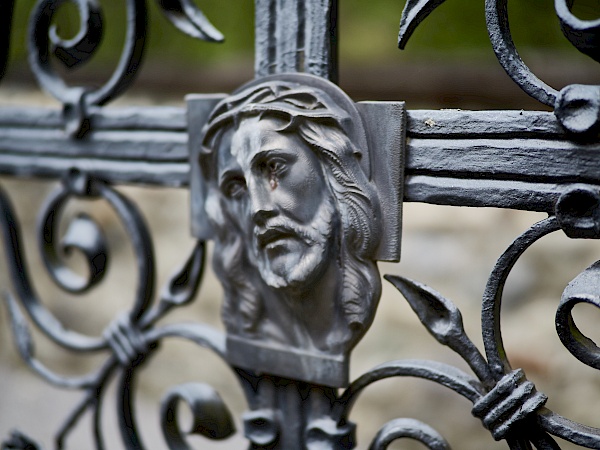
127 145
507 159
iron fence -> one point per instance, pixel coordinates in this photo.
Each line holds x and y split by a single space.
300 189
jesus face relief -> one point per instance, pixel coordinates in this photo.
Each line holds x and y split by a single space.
295 221
275 183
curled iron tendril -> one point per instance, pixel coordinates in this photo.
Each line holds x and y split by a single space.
506 402
131 338
583 289
583 34
44 41
211 417
496 14
82 46
415 12
578 214
92 246
43 38
94 249
411 429
84 235
577 107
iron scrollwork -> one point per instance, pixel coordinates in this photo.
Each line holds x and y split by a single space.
44 41
508 405
130 339
577 107
301 190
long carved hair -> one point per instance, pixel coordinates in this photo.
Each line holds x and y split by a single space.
311 114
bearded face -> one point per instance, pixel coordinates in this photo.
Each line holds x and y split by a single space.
273 184
295 220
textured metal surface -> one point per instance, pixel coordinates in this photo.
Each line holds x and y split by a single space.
150 146
296 222
301 189
5 27
296 36
146 146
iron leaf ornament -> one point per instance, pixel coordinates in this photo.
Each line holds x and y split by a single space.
442 319
188 18
506 402
44 41
415 12
577 107
130 339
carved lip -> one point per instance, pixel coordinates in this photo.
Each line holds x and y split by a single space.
273 234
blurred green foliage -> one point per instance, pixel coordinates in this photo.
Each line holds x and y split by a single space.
368 30
456 28
164 41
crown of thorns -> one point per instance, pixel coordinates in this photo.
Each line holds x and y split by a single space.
286 99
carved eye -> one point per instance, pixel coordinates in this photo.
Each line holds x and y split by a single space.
234 188
276 166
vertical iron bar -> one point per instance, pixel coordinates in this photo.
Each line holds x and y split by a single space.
264 27
333 42
5 28
321 39
286 38
296 36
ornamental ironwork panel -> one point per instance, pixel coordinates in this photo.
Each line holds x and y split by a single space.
300 190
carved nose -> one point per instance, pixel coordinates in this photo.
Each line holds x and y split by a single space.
261 215
261 204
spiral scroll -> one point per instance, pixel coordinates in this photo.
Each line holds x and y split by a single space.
80 48
506 402
583 289
211 417
577 107
44 41
131 338
411 429
93 247
583 34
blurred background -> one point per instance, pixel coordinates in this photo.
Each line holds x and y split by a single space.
448 63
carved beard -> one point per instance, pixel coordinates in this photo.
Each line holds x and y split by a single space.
302 258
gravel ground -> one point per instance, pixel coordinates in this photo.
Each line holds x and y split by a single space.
449 249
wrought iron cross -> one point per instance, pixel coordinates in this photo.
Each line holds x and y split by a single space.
301 190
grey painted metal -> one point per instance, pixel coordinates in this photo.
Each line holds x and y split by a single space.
150 146
296 36
292 204
127 145
583 34
301 189
5 27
